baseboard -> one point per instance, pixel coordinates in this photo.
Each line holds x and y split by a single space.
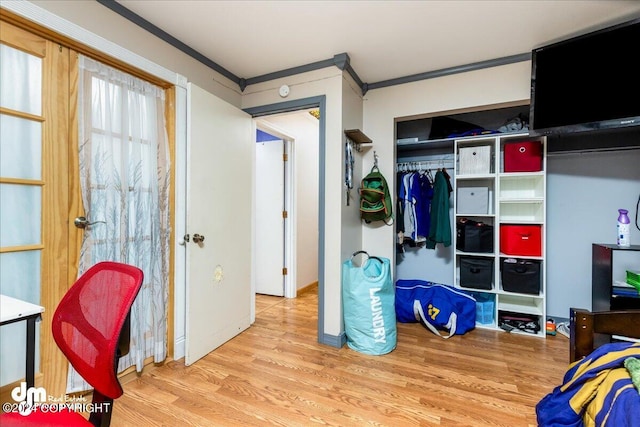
179 348
337 341
308 288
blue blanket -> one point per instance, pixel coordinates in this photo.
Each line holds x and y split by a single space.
596 391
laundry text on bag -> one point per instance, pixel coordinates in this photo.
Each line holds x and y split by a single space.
379 333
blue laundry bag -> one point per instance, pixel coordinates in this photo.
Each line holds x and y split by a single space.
368 299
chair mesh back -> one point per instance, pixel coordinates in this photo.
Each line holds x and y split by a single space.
87 323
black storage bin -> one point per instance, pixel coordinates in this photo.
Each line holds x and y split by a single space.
520 275
473 236
476 273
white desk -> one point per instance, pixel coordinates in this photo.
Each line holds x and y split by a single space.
14 310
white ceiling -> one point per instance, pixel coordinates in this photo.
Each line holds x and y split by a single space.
384 39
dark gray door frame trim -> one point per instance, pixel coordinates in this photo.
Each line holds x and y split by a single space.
294 105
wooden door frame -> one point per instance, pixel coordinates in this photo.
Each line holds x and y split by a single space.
62 196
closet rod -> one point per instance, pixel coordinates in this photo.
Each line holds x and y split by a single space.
424 165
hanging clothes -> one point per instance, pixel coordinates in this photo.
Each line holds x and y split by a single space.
399 212
411 196
446 175
423 207
440 224
407 197
414 194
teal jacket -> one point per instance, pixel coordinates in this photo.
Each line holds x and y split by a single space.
440 225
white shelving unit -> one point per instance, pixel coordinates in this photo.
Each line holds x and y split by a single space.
516 198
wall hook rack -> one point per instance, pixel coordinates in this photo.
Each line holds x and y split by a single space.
357 137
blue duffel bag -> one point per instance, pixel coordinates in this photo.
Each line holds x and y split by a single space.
368 305
438 307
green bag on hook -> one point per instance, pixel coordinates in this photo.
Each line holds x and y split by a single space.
375 198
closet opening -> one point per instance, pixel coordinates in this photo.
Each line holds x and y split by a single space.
425 145
458 231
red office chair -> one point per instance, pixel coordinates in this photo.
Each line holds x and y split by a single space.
91 327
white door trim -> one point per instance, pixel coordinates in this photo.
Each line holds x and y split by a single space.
290 226
290 288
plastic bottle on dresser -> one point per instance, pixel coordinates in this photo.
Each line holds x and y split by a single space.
624 228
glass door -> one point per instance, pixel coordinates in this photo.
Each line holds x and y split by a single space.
34 195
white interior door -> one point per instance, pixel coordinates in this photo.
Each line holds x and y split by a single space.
270 221
219 208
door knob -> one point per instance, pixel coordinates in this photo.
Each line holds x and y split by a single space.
197 238
82 222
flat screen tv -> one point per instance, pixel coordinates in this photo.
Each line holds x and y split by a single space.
587 83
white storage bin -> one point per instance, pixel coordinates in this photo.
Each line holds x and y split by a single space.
475 160
473 200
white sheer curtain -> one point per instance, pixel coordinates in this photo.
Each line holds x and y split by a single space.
124 173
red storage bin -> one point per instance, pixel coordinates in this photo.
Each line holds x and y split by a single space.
525 156
523 240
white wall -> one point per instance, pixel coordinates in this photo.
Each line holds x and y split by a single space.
352 226
352 119
304 128
584 193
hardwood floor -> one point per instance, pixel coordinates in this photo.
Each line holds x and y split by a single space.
276 373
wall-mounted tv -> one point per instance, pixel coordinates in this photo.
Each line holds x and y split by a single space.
587 83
